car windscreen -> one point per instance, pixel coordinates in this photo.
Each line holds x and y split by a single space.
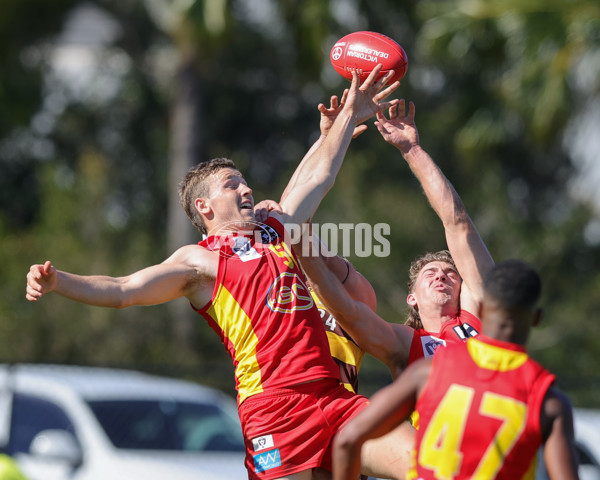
168 425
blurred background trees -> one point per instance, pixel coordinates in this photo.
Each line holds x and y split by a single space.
104 104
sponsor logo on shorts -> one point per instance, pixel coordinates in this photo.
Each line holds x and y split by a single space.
430 345
261 443
267 460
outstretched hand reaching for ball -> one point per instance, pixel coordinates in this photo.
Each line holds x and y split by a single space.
400 130
365 99
328 115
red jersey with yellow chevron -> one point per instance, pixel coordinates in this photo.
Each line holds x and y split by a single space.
480 413
264 314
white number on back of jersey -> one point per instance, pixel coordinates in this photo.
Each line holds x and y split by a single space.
331 323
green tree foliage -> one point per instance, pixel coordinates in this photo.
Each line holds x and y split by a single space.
87 155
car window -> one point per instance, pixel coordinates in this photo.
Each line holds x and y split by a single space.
584 456
168 425
30 416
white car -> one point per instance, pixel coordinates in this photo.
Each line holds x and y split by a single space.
587 440
85 423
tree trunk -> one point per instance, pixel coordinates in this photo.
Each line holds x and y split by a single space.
185 151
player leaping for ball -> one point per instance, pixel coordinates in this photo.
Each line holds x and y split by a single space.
251 291
445 287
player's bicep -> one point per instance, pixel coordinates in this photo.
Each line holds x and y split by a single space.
360 288
157 284
559 445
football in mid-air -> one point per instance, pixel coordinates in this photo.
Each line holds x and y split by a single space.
362 51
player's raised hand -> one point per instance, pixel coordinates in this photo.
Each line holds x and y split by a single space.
41 279
400 129
328 115
264 207
365 99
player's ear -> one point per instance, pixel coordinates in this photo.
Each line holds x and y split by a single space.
202 205
411 300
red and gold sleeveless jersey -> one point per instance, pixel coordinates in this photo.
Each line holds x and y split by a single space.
263 312
344 350
480 413
425 343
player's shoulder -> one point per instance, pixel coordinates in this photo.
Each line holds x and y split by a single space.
556 402
194 256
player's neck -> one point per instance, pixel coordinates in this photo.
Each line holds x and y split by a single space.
433 318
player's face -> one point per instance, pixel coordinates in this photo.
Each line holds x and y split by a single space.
439 283
230 199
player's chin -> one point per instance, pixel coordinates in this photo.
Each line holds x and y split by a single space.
248 218
441 298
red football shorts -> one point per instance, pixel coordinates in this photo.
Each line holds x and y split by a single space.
291 429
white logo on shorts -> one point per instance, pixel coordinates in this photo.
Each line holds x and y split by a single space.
260 443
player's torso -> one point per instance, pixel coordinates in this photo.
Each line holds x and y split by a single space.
263 311
480 418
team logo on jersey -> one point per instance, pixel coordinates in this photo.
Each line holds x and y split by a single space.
430 344
288 293
261 443
268 234
267 460
248 240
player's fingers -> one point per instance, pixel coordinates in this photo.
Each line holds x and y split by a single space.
358 130
260 214
411 110
32 294
344 97
333 102
355 79
47 267
35 272
386 91
370 80
385 79
402 108
384 105
33 283
381 128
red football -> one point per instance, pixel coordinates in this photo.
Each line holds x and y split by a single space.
362 51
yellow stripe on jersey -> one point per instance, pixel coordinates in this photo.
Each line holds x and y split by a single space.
531 471
344 349
495 358
237 327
